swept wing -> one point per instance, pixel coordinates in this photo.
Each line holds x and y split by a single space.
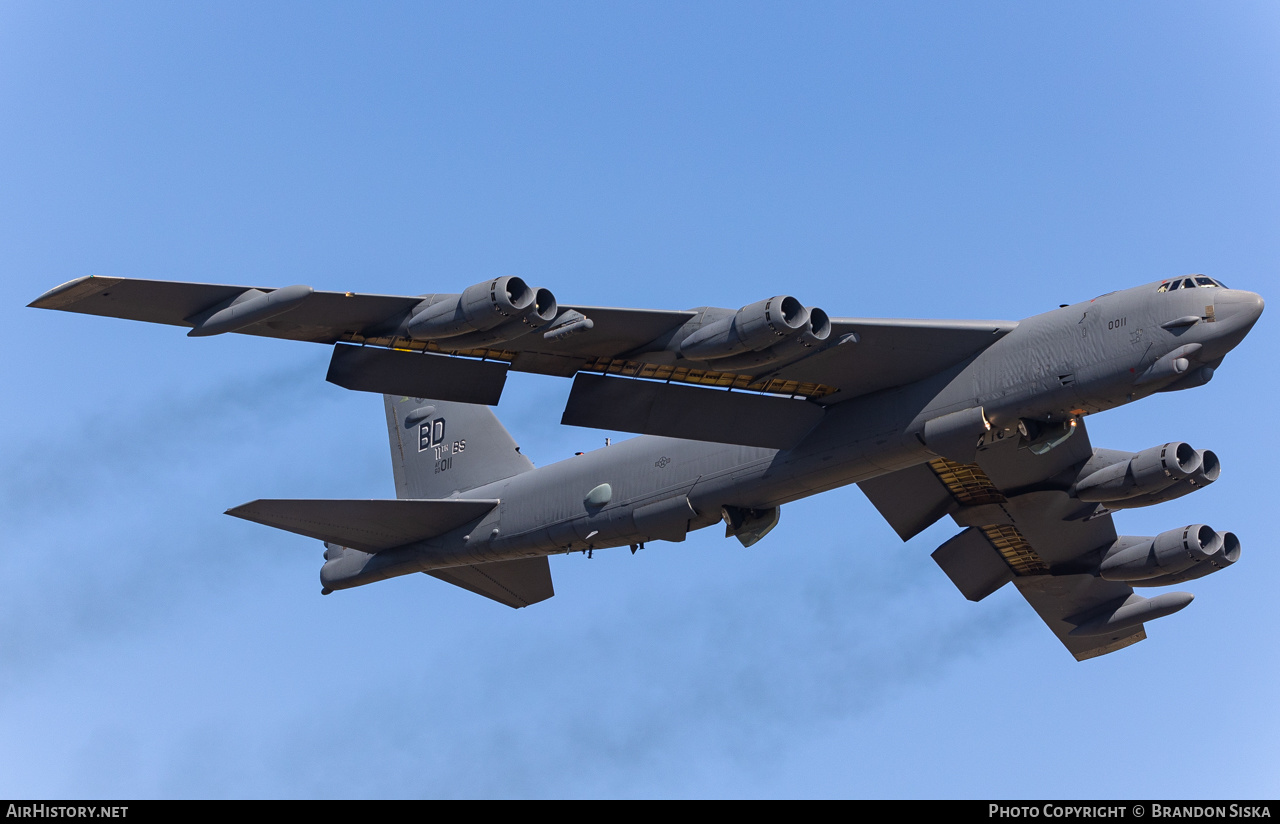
651 381
1022 524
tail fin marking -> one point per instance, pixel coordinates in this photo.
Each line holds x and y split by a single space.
439 448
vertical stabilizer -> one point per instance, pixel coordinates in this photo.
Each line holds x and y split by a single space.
440 447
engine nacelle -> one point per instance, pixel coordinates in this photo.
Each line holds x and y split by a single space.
790 350
758 329
1229 554
1208 472
1171 557
489 312
1117 476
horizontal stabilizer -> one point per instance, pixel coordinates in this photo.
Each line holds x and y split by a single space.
417 374
369 526
669 410
517 583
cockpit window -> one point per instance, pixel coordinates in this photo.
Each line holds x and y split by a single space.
1197 281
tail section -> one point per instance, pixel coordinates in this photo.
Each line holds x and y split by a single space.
369 526
439 448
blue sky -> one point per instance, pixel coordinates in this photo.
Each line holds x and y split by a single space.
899 160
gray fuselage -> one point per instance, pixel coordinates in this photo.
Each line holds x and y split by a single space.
1072 361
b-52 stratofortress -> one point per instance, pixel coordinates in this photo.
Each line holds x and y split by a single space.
743 411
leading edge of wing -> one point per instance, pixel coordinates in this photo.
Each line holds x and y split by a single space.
327 317
860 356
879 353
998 327
315 316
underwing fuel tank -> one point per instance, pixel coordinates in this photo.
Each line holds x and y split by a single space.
250 307
1129 613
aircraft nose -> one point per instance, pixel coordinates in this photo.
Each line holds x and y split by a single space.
1240 307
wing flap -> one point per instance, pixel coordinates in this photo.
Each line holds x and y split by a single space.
973 564
651 408
416 374
369 526
911 499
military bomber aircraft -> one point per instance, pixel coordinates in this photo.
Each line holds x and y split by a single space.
743 411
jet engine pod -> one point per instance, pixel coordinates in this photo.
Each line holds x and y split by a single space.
1210 468
1225 557
752 328
819 328
1142 473
1172 461
493 311
1171 557
797 347
1208 472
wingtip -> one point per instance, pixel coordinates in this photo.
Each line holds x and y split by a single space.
50 299
240 511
